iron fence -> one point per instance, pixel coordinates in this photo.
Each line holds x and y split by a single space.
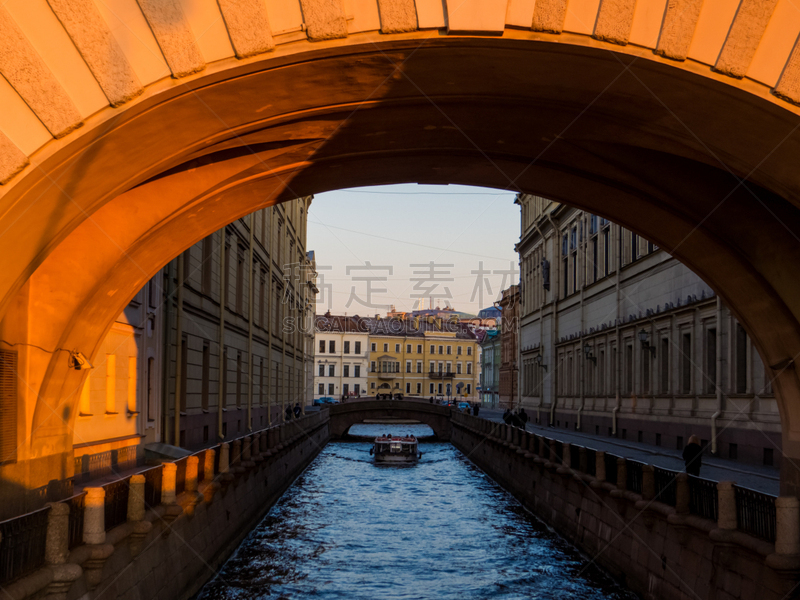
666 485
76 505
22 545
703 498
559 452
126 458
116 502
180 476
99 464
152 487
755 513
591 462
574 457
634 468
611 468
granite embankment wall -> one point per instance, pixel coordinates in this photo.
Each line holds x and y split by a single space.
162 534
658 551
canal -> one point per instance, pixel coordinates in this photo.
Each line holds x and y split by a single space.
348 528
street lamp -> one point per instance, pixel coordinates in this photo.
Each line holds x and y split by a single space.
644 338
587 352
538 360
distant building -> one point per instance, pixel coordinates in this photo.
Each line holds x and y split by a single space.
490 366
509 348
619 338
341 356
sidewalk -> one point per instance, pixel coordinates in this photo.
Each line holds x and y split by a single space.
762 479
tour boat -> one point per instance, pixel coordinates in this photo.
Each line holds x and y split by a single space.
395 449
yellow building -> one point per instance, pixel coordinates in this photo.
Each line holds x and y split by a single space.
422 357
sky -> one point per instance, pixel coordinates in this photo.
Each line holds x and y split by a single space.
374 247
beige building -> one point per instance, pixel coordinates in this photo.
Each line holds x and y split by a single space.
341 358
618 338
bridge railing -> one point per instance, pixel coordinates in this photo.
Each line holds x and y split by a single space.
23 538
756 513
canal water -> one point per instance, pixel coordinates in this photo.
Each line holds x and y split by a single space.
440 529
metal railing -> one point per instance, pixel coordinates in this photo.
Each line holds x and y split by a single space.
634 482
152 487
591 462
116 502
703 498
76 505
755 513
611 468
666 485
574 456
180 475
22 545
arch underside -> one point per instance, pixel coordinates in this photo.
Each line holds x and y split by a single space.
703 168
344 416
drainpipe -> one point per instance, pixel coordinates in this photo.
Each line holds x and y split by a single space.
718 379
221 340
251 362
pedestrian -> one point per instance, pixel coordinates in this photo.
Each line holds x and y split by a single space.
288 413
431 399
297 410
692 456
523 417
475 409
507 417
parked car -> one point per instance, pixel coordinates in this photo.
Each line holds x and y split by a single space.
463 405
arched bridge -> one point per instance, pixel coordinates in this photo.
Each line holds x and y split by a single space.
436 416
131 129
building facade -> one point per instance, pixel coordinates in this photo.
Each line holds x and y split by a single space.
509 346
226 329
491 353
618 338
341 357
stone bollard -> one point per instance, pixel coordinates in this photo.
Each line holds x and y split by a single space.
192 463
257 458
136 512
169 472
94 516
208 465
682 494
136 508
56 548
787 525
224 453
622 474
600 465
726 502
566 455
648 482
56 552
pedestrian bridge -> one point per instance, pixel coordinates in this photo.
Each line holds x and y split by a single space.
344 416
130 130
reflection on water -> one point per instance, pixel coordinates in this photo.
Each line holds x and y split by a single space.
438 529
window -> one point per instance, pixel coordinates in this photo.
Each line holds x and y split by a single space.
432 367
372 366
151 397
439 389
433 349
331 370
347 347
469 388
711 361
449 349
408 388
357 389
458 368
204 386
358 347
431 388
238 379
346 388
664 360
441 366
397 348
372 386
223 396
628 389
322 370
357 372
408 366
346 371
458 350
332 347
373 347
419 348
469 368
741 360
386 347
469 350
330 389
419 388
440 349
645 371
408 348
606 252
321 389
419 366
686 363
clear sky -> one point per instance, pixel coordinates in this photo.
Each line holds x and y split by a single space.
385 238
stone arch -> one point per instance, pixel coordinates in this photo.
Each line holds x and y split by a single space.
115 159
344 416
